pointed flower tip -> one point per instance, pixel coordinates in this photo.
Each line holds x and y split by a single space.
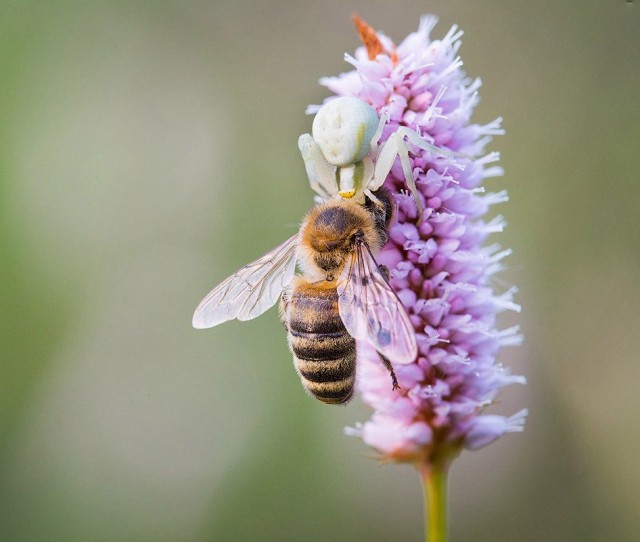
370 39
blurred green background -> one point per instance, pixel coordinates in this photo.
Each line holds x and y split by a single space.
148 149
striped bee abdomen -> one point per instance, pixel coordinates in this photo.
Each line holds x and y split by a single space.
324 354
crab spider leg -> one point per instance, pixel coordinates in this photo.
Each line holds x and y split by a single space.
384 118
322 175
403 153
415 139
397 146
392 147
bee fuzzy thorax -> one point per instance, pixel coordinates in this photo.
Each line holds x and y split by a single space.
328 232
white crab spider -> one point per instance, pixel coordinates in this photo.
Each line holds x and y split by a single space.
343 157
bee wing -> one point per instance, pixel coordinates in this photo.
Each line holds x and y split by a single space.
371 310
251 290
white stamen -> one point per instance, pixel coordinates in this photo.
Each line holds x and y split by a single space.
488 158
350 60
431 110
495 171
505 301
496 197
496 225
515 423
454 34
500 255
510 336
452 67
492 128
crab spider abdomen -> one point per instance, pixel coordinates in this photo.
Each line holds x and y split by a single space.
343 129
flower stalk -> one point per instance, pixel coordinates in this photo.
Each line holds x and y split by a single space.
441 264
435 483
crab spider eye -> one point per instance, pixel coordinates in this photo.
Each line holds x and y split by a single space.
343 129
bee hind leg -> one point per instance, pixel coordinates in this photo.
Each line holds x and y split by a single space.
384 271
387 364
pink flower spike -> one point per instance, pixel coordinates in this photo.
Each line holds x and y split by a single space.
440 266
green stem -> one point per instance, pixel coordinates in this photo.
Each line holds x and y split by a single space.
434 479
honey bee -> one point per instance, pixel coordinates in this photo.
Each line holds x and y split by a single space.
341 297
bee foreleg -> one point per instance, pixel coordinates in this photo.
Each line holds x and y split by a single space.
387 364
375 140
371 196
